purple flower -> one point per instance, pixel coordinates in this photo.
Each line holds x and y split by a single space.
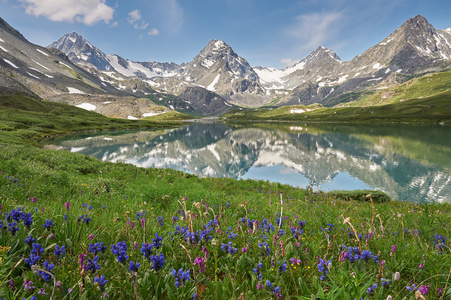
424 289
28 285
200 262
393 248
67 205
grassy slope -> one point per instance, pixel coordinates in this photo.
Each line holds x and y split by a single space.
55 178
425 99
27 120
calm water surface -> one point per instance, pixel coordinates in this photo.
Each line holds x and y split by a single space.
410 163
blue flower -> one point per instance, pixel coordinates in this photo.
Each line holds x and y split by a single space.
158 261
93 264
101 282
59 251
180 277
133 267
228 248
147 250
96 248
49 267
47 224
157 241
120 251
12 227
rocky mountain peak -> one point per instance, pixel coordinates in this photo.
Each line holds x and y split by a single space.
321 53
79 50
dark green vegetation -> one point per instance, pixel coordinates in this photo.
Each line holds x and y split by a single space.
239 239
426 99
28 120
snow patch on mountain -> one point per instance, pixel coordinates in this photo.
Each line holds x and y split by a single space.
74 91
87 106
10 63
211 87
3 49
42 52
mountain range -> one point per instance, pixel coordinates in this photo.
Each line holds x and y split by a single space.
74 71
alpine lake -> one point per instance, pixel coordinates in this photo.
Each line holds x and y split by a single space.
408 162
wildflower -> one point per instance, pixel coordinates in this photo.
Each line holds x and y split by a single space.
42 292
412 288
93 265
146 250
200 262
49 267
12 286
397 276
180 277
322 267
283 267
28 285
228 248
393 248
100 280
12 228
85 219
157 241
160 220
67 205
143 222
59 251
29 240
133 267
96 248
275 291
372 289
120 251
265 247
424 289
91 236
47 224
158 261
385 282
194 296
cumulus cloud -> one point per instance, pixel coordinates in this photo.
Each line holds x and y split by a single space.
134 17
88 12
153 31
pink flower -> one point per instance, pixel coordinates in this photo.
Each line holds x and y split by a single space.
200 262
421 266
135 246
67 205
143 222
91 236
393 248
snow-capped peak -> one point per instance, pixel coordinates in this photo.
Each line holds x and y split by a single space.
448 30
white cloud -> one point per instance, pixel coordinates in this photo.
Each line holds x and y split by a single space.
134 16
153 31
84 11
314 29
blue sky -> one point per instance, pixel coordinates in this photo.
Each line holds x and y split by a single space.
265 32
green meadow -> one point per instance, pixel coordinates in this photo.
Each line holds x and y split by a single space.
73 227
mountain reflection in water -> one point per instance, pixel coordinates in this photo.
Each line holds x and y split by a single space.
410 163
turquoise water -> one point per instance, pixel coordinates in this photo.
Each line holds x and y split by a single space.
410 163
